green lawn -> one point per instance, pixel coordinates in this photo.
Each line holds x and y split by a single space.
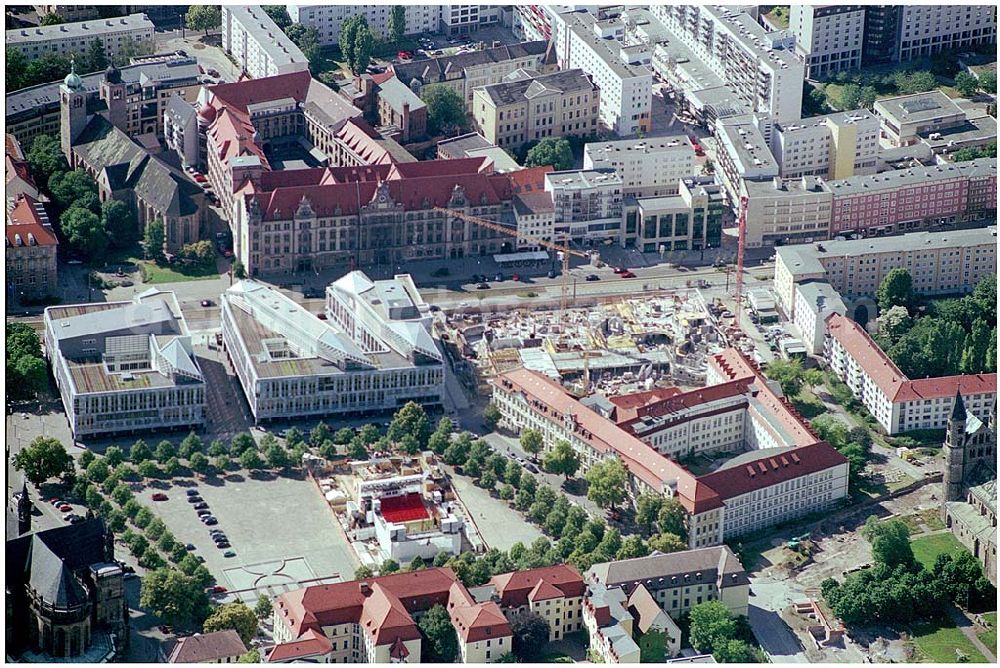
153 273
927 548
808 404
989 638
556 657
938 642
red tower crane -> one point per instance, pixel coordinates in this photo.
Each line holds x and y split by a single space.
742 222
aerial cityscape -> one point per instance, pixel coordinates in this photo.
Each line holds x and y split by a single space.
501 333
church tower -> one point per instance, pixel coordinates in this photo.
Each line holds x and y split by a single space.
113 94
23 511
954 451
72 111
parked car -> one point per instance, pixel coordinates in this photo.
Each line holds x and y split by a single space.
210 521
214 73
204 512
159 496
483 286
194 499
222 545
190 547
201 505
56 501
531 467
627 274
552 273
620 270
65 508
228 553
206 302
192 492
219 589
593 277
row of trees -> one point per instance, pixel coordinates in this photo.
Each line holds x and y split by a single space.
897 589
952 336
968 84
713 630
975 152
27 374
22 72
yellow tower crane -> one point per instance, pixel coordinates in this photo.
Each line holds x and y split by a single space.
566 251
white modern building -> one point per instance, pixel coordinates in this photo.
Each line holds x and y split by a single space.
327 19
647 167
828 38
259 46
69 38
835 146
905 118
372 353
897 403
814 302
597 46
924 30
787 211
939 262
124 367
742 154
587 204
756 64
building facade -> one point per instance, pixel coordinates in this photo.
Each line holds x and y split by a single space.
554 593
31 251
362 360
904 119
922 31
835 146
125 367
327 19
259 46
691 220
787 211
647 167
587 204
65 39
828 38
535 106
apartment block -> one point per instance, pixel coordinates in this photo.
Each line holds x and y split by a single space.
327 19
828 38
743 155
529 106
814 302
940 263
259 47
373 354
464 72
755 64
905 118
897 403
834 146
587 204
30 251
914 198
69 38
554 593
597 46
787 211
648 167
690 220
924 30
124 367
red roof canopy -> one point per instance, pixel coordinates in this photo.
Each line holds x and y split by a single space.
404 508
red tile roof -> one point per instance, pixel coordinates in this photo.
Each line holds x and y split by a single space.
768 470
252 91
890 379
403 508
515 588
475 622
681 402
638 399
24 219
207 647
385 618
311 644
529 180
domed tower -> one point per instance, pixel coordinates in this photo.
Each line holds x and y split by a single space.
113 94
954 451
72 111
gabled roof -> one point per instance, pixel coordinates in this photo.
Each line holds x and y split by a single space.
668 570
311 644
51 579
385 617
208 647
515 589
24 220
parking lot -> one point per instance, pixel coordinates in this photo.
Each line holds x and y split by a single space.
280 528
500 525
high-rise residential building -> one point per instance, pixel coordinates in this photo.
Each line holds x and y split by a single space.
373 353
621 71
908 32
259 47
69 38
327 19
834 146
648 167
529 106
881 33
828 38
587 204
755 64
742 154
123 367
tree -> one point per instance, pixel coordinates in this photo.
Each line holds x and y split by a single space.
850 97
892 324
868 96
789 375
966 84
667 543
672 518
363 572
554 151
277 457
488 480
250 460
445 109
278 14
364 44
388 567
512 473
531 635
890 541
441 438
43 458
198 253
711 625
191 444
896 289
252 656
84 232
172 467
988 82
240 443
440 644
154 238
140 452
98 471
239 271
235 616
176 598
608 483
397 22
204 17
357 450
562 459
96 58
51 19
531 441
31 376
45 157
16 69
632 547
647 509
67 188
410 420
976 346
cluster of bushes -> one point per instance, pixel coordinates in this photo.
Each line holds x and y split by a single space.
27 374
975 152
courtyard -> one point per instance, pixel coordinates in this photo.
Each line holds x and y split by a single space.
499 525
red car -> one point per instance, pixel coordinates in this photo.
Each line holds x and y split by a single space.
200 178
404 55
219 589
159 496
65 508
627 274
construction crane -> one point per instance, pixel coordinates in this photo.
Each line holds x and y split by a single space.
742 222
565 251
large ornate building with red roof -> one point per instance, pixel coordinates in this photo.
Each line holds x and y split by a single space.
785 470
31 250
